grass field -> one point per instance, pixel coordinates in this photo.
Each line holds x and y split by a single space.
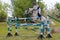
24 34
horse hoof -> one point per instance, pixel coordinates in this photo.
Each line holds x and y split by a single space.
9 35
16 34
41 37
48 36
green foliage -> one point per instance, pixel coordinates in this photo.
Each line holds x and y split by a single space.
33 1
20 6
3 15
57 5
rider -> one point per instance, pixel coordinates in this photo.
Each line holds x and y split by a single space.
36 7
39 12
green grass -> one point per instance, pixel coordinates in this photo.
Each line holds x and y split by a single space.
24 34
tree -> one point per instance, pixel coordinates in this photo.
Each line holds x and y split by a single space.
20 6
3 14
57 6
33 1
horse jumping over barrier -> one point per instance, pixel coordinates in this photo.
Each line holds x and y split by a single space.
44 23
9 22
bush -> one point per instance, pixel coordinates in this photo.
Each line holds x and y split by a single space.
3 15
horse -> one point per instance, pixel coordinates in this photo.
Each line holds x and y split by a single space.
33 13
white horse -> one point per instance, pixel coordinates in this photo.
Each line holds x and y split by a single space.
34 13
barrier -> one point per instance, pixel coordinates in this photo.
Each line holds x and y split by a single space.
17 24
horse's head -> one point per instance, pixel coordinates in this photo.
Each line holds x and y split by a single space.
28 11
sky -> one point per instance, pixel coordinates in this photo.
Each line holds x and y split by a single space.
7 1
49 3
